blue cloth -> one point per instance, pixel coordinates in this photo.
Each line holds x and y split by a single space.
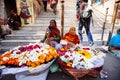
97 1
86 24
115 41
27 11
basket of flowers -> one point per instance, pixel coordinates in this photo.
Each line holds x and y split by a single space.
79 62
32 59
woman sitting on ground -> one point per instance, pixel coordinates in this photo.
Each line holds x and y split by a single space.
52 36
70 39
71 36
115 41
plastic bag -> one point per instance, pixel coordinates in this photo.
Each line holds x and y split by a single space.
54 67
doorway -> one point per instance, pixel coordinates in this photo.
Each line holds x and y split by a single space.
10 5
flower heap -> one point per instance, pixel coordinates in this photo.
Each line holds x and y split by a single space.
81 58
31 55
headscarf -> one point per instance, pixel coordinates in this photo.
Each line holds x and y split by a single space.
71 36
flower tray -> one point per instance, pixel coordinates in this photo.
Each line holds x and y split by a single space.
25 73
77 73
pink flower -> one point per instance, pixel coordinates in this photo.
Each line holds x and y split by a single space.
36 46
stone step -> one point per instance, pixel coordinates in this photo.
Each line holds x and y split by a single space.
27 32
66 23
38 21
29 36
7 48
24 42
17 42
42 29
66 20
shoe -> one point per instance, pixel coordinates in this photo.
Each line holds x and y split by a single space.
26 23
91 44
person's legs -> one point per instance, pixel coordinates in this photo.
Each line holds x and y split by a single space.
26 21
80 26
53 43
88 33
45 5
54 8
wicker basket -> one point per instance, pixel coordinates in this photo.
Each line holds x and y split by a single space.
94 72
77 73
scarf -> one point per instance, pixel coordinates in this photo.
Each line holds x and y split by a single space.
72 37
54 31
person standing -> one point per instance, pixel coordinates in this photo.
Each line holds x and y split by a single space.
45 4
85 22
53 5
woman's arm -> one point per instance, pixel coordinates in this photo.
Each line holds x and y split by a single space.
57 38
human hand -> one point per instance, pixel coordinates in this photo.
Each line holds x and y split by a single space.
42 41
51 38
70 44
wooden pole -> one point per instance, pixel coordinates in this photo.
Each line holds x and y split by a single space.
62 18
113 21
103 28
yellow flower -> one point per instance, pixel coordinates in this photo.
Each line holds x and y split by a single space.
85 53
69 64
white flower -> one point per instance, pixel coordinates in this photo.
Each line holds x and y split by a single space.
33 55
5 58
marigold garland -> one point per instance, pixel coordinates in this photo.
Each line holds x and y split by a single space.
31 55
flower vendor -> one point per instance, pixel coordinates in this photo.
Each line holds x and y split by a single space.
70 38
52 36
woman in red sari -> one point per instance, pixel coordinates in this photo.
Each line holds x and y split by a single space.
52 36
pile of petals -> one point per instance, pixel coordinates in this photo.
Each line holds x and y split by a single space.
31 55
83 58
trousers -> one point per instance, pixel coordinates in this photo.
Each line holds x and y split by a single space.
86 24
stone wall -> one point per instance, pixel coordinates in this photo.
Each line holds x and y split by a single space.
1 12
37 6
